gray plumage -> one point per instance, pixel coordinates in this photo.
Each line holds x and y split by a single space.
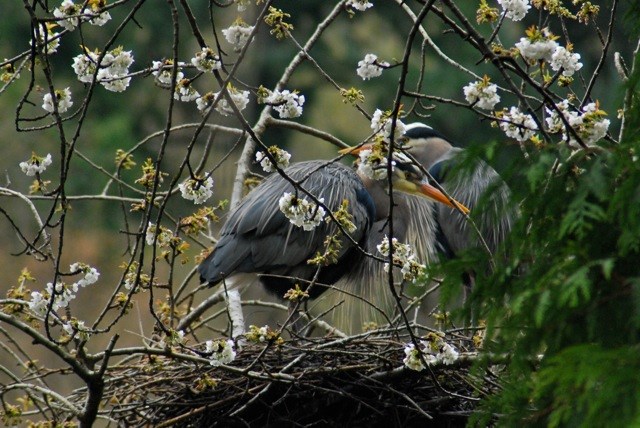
432 230
414 224
257 237
478 187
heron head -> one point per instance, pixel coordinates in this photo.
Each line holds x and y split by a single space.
407 176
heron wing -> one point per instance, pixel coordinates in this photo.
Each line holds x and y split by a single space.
257 236
484 192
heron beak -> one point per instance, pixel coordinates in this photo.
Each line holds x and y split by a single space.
428 191
354 151
411 187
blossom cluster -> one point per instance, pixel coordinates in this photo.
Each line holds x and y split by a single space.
185 92
112 70
62 293
77 327
61 98
281 156
221 351
35 164
482 94
238 34
70 14
515 9
360 5
541 45
518 125
288 104
239 98
263 334
402 256
301 212
370 67
206 61
197 190
434 350
162 72
373 164
381 124
590 124
165 236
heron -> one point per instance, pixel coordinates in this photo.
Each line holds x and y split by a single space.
435 231
478 185
258 238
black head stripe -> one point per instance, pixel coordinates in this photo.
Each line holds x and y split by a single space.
423 132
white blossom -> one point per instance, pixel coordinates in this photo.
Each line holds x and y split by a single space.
52 38
165 236
374 164
65 12
38 303
206 60
91 274
68 14
204 102
538 46
185 92
197 191
100 19
360 5
162 72
518 125
448 354
238 34
381 124
239 98
288 104
118 61
35 164
173 338
112 70
64 293
590 124
261 333
112 82
221 351
301 212
412 358
564 59
402 256
515 9
62 99
434 350
84 65
594 126
82 331
281 156
482 94
370 67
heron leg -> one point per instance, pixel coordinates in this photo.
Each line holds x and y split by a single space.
469 281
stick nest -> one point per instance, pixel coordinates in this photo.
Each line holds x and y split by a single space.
353 381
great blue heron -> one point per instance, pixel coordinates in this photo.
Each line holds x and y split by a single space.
258 238
433 230
479 184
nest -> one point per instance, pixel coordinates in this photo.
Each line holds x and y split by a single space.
354 381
